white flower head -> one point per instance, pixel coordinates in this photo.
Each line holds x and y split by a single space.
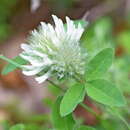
54 51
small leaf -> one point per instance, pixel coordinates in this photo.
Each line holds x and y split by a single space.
105 92
11 67
61 123
71 99
18 127
99 64
83 127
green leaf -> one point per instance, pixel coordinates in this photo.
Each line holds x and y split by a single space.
83 127
61 123
105 92
11 66
18 127
99 64
71 99
98 36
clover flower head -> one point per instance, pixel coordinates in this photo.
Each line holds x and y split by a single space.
54 51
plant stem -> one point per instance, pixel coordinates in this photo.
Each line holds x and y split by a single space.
10 61
79 78
116 113
83 81
55 85
125 122
90 110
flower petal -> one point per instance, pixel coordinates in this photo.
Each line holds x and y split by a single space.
31 72
26 47
42 55
59 27
43 77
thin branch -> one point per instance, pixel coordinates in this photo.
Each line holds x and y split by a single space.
90 110
10 61
55 85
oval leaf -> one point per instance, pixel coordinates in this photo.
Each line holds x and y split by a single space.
71 99
99 64
105 92
61 123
